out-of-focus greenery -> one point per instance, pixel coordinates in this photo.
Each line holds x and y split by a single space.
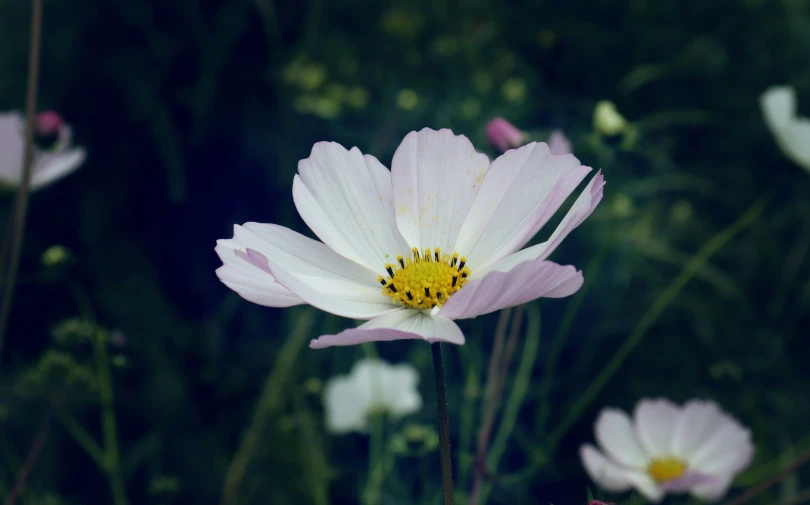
194 114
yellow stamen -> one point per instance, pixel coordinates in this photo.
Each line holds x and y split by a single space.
425 280
665 469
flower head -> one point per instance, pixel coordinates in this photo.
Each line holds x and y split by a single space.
372 386
437 238
54 157
665 448
503 135
792 133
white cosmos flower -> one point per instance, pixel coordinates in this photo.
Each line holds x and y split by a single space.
49 164
792 133
437 238
665 448
372 386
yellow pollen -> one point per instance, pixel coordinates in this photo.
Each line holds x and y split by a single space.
665 469
425 280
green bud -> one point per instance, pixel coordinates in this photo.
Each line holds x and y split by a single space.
55 255
606 119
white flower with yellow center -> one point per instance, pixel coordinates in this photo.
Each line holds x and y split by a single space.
371 386
792 132
665 448
437 238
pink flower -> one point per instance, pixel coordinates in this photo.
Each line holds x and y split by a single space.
438 237
503 135
49 164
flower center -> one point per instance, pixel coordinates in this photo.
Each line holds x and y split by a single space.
424 281
664 469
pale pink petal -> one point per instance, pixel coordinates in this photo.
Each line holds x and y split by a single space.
582 208
525 282
615 478
436 175
313 272
712 491
688 481
51 166
347 200
11 147
398 325
616 437
504 135
251 280
728 450
654 420
558 143
519 194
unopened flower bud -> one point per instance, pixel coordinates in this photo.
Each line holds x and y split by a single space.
503 135
48 123
606 119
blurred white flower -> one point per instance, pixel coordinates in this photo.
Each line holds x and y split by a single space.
51 163
665 448
792 133
372 386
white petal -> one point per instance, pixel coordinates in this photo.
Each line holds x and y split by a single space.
792 133
50 167
347 200
613 477
11 147
250 280
436 175
398 325
520 192
526 282
616 437
694 426
728 450
399 385
314 272
712 492
778 106
346 405
582 208
654 421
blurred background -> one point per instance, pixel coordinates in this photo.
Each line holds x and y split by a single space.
194 114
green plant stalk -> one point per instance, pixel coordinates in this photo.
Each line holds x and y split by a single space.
111 453
83 438
269 401
471 389
649 318
517 396
9 275
558 344
444 424
371 495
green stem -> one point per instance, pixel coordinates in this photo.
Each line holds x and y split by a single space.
271 397
108 428
444 424
651 316
21 202
83 438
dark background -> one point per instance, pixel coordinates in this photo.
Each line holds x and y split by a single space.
194 114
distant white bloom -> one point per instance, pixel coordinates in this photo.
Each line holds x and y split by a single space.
372 386
792 133
665 448
50 164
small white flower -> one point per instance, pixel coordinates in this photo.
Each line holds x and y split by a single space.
439 237
665 448
792 133
49 164
372 386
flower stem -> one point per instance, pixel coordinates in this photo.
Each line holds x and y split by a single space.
444 424
21 202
